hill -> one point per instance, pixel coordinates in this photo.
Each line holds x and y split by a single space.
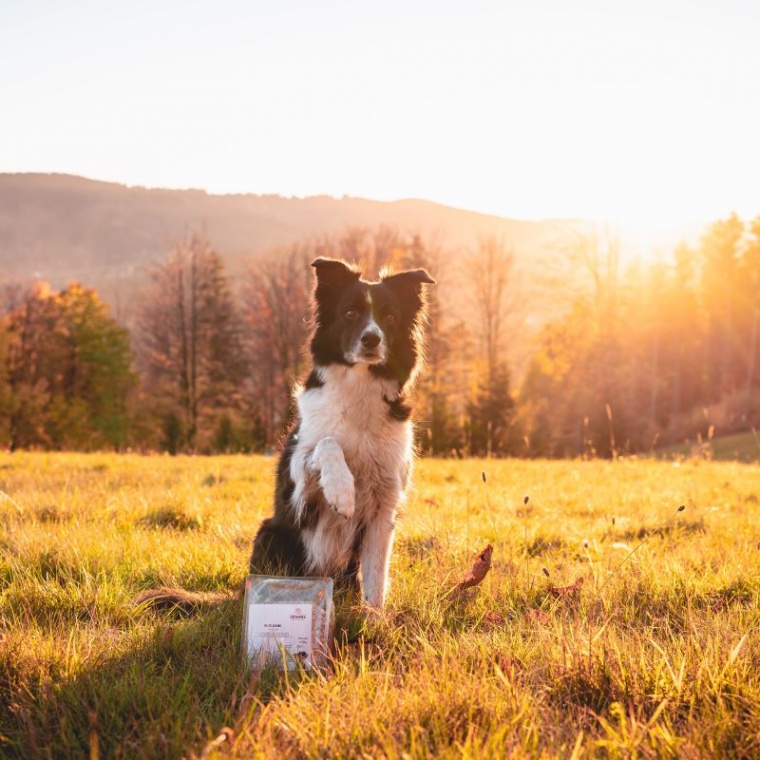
738 447
60 227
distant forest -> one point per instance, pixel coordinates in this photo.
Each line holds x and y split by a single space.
641 358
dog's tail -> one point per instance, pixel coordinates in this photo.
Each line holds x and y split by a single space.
178 599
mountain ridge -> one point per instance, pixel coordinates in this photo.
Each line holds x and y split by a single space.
63 227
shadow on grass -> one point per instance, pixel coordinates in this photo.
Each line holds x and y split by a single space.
683 527
177 680
173 683
168 517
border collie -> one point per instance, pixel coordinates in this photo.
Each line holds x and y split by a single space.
345 465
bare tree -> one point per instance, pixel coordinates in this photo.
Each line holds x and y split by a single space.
491 270
275 307
597 251
189 337
371 249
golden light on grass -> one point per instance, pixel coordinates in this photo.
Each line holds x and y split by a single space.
515 665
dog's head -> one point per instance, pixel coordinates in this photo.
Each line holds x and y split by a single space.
372 323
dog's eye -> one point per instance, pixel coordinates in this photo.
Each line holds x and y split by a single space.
390 319
350 314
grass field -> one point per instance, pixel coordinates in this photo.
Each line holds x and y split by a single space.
656 654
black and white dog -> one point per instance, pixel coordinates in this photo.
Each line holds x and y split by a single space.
345 465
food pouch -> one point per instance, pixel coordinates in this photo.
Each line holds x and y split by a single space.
288 620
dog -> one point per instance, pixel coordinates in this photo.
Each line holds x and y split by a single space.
345 465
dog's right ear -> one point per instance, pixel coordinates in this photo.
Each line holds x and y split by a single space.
334 272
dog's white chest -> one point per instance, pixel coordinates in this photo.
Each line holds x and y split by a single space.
353 407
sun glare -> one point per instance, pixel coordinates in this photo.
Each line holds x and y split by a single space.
640 115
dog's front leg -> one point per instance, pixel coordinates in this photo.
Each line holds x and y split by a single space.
374 558
335 479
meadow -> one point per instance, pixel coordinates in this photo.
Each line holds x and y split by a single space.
655 652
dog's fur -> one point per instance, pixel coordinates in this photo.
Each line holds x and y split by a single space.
345 465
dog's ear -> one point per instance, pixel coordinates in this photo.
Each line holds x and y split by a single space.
412 278
334 272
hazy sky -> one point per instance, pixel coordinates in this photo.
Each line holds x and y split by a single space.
646 112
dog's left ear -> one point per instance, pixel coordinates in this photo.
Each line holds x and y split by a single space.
410 278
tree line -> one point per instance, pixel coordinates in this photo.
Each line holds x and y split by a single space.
641 358
652 356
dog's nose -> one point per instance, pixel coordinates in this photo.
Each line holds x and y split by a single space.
370 340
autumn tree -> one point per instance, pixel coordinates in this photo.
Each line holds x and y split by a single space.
190 345
99 368
69 370
720 284
685 319
7 400
749 295
33 355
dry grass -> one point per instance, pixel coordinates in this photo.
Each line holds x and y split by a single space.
656 654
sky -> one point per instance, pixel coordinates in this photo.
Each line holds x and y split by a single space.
643 113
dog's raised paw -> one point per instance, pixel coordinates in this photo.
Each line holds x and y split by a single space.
339 491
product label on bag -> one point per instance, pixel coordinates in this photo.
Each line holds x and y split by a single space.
274 626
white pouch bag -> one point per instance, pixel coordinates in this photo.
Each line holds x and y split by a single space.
288 620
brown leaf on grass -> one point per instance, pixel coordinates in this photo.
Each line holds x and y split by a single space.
567 592
493 620
480 567
537 616
508 665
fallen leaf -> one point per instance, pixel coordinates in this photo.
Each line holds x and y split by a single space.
480 567
537 616
493 620
507 665
565 592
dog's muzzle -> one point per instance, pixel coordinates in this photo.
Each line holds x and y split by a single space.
371 348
